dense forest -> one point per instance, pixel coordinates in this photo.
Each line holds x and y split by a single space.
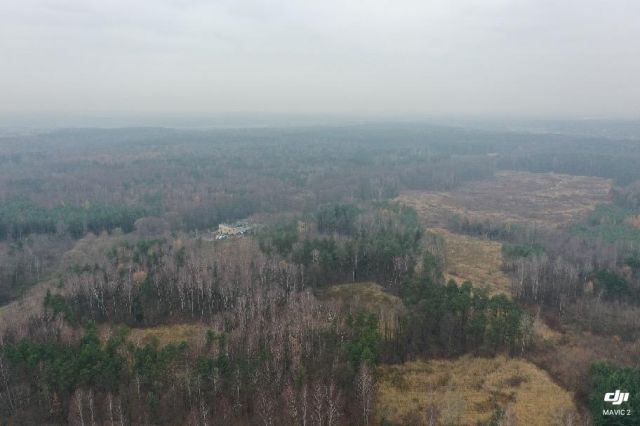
120 307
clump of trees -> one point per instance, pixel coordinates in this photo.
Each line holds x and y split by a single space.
628 196
451 319
611 223
380 244
83 382
337 218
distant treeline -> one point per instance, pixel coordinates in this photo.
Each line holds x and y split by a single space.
18 219
198 179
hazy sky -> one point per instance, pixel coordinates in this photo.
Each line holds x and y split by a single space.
520 57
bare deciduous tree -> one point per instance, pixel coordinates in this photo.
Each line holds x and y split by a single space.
365 388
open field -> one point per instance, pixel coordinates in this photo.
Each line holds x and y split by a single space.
469 391
515 197
194 334
368 297
475 260
568 356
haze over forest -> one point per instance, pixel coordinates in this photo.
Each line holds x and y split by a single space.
567 59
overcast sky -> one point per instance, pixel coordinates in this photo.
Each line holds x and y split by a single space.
571 58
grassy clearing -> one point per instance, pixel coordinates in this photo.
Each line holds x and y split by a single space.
369 297
568 356
633 221
516 197
475 260
469 391
433 208
193 334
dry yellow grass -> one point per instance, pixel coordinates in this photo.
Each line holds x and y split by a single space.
468 390
369 297
545 334
633 221
475 260
433 208
193 334
139 277
517 197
